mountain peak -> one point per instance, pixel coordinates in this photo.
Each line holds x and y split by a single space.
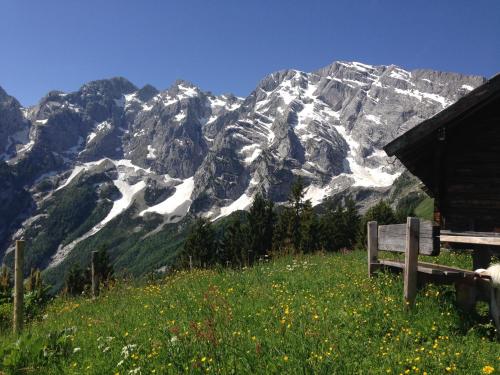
116 86
147 92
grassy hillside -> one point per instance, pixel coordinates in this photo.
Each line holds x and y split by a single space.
425 209
312 314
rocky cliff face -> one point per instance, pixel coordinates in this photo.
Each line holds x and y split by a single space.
13 126
162 154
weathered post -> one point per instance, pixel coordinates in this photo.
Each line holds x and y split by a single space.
411 260
95 278
18 287
372 235
190 262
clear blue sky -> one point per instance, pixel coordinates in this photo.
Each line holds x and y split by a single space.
228 46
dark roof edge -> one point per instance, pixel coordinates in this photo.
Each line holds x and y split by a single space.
477 96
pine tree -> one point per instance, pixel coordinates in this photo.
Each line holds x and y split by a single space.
281 238
350 223
309 228
339 226
260 226
234 246
200 244
295 201
331 226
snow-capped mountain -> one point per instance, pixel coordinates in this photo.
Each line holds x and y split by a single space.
162 154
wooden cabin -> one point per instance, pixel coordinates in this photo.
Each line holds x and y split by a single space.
456 155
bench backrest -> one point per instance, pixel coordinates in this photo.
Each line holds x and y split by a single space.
393 238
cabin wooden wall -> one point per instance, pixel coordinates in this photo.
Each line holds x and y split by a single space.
469 198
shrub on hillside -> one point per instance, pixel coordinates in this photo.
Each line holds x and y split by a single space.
75 281
36 294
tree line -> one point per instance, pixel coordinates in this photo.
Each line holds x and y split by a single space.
294 227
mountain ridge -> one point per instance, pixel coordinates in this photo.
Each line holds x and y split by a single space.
160 155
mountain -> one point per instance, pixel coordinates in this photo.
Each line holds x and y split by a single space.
117 163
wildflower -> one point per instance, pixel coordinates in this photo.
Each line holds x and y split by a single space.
488 369
76 350
285 358
173 339
127 349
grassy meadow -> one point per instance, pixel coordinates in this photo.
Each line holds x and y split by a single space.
310 314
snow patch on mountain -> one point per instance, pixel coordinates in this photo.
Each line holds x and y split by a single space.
242 203
178 204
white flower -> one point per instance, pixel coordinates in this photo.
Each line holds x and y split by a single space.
76 350
127 349
174 339
135 371
120 363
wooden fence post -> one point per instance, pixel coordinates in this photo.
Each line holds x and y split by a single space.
190 262
411 260
95 279
18 287
372 235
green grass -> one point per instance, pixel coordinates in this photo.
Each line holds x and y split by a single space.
425 209
311 314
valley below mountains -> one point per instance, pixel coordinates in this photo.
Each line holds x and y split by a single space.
126 166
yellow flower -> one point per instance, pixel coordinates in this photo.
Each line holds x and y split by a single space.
488 369
285 358
204 359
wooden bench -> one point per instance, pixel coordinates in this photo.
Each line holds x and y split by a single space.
414 238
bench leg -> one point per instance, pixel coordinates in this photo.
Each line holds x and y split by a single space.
495 307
